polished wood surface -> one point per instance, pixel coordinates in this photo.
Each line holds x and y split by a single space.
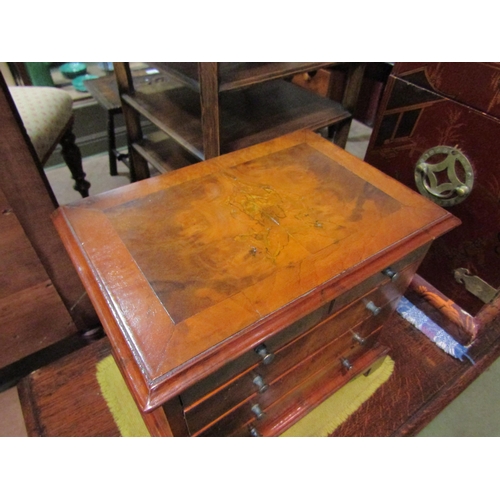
191 269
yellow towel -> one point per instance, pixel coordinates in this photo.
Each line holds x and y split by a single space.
321 421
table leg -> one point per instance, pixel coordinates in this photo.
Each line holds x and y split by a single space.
113 169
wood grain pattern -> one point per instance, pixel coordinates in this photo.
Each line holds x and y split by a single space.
425 380
191 269
64 398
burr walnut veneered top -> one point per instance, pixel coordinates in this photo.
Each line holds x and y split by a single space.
213 257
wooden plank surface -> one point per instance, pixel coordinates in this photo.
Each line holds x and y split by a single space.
64 398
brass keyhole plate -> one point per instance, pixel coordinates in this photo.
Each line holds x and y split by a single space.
444 175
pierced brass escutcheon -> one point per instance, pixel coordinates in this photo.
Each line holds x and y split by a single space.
446 181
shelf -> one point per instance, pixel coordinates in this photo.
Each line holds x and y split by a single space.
164 155
238 75
247 116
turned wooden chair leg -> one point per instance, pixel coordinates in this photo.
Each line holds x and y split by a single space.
73 159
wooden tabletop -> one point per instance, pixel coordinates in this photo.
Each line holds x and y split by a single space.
190 269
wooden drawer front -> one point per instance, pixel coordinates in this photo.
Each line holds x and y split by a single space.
405 268
250 359
316 389
328 359
223 399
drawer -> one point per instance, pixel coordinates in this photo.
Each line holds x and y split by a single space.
405 268
316 389
344 348
251 358
334 328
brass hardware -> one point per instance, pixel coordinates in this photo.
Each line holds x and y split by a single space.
390 273
259 382
257 411
475 285
359 339
459 173
373 308
254 432
346 364
267 357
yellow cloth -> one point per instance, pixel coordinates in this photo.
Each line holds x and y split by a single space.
321 421
326 417
119 400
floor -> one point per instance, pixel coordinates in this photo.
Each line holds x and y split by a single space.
476 412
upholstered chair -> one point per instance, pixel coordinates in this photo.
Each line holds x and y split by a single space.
47 115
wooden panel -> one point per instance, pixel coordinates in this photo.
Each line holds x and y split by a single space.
472 83
64 398
32 319
32 314
20 267
395 149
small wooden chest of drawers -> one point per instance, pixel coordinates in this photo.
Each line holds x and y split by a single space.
239 293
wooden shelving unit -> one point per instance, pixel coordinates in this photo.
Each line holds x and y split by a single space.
215 108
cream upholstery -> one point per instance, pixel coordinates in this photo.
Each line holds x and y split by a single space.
45 112
47 115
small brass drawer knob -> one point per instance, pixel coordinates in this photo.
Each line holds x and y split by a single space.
267 357
346 364
254 432
373 308
390 273
257 411
259 382
359 339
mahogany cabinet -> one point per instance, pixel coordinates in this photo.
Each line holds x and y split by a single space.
240 292
208 109
437 132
